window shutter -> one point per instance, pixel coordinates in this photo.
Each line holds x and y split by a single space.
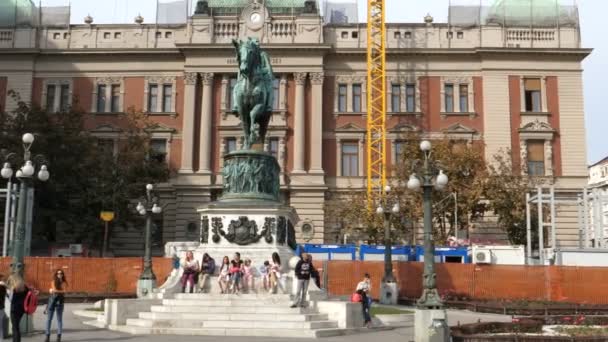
532 84
536 150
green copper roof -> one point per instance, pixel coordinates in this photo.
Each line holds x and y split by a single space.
268 3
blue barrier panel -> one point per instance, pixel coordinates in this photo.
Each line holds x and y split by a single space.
376 253
331 252
446 254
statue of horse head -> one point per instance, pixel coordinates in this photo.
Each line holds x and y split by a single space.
247 55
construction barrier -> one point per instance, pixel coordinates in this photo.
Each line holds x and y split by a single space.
89 275
583 285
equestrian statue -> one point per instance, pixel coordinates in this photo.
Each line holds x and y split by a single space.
253 93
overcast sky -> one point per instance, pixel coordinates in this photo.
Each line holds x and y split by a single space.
592 13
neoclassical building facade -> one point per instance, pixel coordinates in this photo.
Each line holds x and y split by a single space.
509 87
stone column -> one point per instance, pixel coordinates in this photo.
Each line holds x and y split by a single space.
206 120
316 127
299 124
188 124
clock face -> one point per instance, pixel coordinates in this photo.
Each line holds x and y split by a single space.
256 18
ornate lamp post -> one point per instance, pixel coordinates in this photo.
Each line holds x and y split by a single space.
25 174
147 279
388 291
430 322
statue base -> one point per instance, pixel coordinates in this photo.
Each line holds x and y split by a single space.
431 326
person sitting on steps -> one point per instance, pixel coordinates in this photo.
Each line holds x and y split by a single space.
224 276
191 268
207 270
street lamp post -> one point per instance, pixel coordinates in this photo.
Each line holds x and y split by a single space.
430 317
25 174
147 279
388 293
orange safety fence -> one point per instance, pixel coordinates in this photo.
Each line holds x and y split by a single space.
89 275
584 285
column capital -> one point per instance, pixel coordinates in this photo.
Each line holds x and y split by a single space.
207 78
300 77
316 78
190 78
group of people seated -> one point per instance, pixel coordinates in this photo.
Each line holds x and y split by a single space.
234 276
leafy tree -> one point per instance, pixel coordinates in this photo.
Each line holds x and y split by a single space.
85 178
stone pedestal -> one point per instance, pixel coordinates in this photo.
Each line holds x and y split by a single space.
431 326
145 287
389 293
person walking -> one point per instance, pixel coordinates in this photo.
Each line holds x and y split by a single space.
303 270
363 289
2 300
19 291
59 286
275 273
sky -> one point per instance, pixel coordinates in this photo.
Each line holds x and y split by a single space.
592 17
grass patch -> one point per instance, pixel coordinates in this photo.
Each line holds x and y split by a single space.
94 309
377 310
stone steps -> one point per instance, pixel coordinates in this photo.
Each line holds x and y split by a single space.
291 317
231 310
228 324
231 315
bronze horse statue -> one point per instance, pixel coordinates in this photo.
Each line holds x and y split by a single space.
253 93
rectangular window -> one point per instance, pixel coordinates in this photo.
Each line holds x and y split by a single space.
396 98
464 98
50 98
399 146
449 98
153 98
536 157
350 159
232 84
167 97
410 98
532 95
115 107
273 147
357 98
101 98
230 145
275 91
342 98
158 150
64 101
106 146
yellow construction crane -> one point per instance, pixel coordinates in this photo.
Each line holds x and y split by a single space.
376 101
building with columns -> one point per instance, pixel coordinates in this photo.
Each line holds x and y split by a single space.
516 88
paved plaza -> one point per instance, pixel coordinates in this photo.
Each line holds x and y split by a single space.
74 330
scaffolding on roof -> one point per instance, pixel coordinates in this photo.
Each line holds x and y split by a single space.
513 13
340 12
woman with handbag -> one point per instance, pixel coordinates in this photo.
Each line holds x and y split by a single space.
18 294
56 301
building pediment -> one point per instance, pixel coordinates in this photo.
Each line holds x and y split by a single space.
404 128
537 126
106 129
459 129
350 127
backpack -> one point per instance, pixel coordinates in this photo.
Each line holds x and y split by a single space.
30 304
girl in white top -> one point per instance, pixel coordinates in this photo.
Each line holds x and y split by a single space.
224 276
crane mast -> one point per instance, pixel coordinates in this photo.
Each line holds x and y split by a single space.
376 100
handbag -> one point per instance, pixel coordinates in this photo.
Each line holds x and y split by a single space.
356 298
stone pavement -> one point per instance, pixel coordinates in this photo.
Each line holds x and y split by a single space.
75 331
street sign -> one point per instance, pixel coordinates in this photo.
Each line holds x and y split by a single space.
107 216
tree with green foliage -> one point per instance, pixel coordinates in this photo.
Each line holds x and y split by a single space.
85 178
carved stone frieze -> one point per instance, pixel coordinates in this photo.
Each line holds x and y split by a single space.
204 236
317 78
190 78
300 77
207 78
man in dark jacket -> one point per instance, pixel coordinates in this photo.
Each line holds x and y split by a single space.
303 271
